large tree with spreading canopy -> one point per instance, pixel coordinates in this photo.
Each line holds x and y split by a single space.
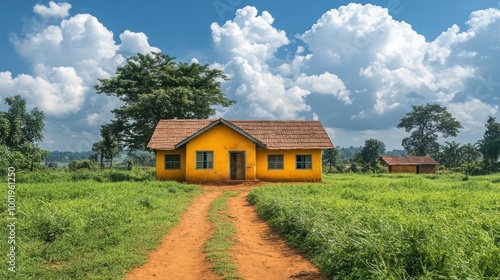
154 87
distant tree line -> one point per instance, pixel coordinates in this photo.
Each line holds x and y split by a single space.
358 159
424 123
67 156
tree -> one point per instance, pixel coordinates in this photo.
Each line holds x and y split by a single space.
143 159
424 123
470 153
371 152
154 87
489 146
452 154
470 157
111 143
99 149
20 133
23 127
331 157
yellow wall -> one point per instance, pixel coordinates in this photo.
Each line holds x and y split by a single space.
221 140
289 173
161 173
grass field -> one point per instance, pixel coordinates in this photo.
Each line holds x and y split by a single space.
87 229
391 226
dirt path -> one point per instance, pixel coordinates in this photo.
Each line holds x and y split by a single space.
260 252
180 253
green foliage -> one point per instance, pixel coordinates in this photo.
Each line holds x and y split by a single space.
20 131
331 157
109 146
490 144
144 159
451 154
85 230
155 87
371 152
67 156
84 174
219 244
424 123
80 164
391 226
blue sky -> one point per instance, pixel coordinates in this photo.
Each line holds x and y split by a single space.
356 67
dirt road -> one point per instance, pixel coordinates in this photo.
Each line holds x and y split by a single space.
259 252
180 255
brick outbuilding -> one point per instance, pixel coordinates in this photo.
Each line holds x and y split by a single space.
409 164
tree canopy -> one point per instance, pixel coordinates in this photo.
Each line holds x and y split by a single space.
371 152
424 123
154 87
489 146
20 133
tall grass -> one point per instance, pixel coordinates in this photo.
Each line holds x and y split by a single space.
107 175
90 230
391 226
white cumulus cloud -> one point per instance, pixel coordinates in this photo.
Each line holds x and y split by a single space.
247 47
67 59
357 68
54 10
134 42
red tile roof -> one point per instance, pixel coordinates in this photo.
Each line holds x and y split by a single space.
269 134
409 160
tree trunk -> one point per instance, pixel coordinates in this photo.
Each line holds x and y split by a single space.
102 161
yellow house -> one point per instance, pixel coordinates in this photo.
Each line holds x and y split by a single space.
224 150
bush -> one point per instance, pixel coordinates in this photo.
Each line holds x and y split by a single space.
81 164
47 175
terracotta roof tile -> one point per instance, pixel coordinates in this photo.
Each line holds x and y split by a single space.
273 134
409 160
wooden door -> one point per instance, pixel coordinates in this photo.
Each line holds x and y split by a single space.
237 165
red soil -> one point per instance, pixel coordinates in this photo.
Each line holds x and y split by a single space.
259 252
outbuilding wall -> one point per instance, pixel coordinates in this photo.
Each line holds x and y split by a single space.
403 169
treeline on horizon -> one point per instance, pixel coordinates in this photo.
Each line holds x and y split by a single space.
155 86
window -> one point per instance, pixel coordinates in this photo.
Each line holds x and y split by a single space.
204 160
274 162
172 162
304 162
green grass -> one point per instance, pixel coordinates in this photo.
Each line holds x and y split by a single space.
218 245
391 226
102 176
90 230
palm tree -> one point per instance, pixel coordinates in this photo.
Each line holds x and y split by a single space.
331 157
452 154
470 156
470 153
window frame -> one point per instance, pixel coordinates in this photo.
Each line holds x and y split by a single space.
275 167
173 162
307 165
206 163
